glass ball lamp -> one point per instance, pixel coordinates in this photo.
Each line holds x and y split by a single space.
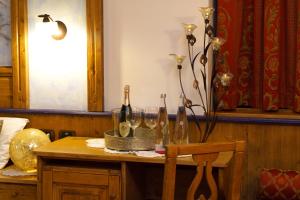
21 147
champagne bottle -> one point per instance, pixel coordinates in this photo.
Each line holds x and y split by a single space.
162 136
181 125
125 113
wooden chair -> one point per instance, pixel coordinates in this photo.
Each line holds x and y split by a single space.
204 154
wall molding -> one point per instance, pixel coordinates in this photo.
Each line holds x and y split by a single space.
94 12
258 119
6 71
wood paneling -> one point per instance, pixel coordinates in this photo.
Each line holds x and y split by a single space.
269 145
19 26
95 54
5 87
83 126
5 71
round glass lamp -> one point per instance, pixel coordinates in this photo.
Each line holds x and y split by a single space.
21 147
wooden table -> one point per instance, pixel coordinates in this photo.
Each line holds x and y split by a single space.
69 167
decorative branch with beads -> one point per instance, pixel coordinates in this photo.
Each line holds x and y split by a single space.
209 102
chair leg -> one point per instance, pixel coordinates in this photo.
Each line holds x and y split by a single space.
169 179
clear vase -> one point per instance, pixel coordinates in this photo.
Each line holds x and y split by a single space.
181 126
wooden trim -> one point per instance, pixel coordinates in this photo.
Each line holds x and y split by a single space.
54 112
19 23
228 118
94 13
254 113
5 71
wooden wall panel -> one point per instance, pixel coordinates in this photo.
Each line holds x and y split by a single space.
90 126
19 27
5 87
5 92
269 145
95 77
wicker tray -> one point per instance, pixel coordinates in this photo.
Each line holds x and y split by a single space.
144 140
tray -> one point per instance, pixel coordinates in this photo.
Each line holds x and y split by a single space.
144 140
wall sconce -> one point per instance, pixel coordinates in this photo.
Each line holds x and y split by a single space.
59 30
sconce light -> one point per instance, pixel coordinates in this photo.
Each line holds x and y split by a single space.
60 29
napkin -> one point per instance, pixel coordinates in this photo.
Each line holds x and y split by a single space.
96 143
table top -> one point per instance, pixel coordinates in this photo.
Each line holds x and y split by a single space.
76 148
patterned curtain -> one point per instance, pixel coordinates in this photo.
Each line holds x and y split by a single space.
262 51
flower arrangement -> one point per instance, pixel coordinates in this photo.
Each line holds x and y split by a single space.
214 84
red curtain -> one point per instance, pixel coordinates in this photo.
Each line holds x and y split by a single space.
262 51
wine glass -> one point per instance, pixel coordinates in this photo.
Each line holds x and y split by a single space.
134 118
151 114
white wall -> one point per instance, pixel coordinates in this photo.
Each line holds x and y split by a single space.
5 33
139 35
58 68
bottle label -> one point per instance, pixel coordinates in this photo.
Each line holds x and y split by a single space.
124 129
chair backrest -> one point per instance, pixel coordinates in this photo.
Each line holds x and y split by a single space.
204 154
